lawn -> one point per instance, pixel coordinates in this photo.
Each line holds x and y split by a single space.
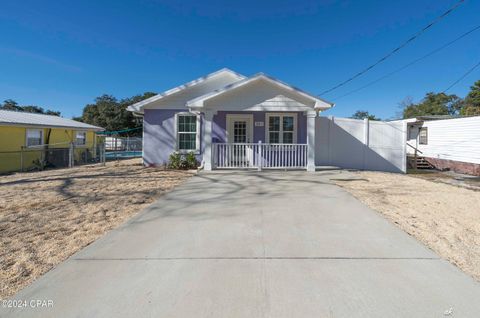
47 216
443 216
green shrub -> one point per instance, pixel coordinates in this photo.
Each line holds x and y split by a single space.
180 161
191 161
174 161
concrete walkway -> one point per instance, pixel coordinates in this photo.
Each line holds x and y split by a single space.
270 244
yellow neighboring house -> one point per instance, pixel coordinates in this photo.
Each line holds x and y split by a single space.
23 134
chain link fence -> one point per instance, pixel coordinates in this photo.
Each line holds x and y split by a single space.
50 157
123 147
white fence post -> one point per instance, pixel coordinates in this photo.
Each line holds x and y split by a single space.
331 123
366 132
311 117
404 142
259 156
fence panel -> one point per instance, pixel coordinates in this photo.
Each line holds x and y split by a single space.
360 144
45 157
123 147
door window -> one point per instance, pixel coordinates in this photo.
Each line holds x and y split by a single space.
239 131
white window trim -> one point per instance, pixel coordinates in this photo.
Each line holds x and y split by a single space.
197 140
75 136
425 129
41 134
281 115
230 117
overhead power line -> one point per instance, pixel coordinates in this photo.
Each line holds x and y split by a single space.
408 64
395 50
462 77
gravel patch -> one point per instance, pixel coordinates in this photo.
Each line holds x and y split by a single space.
444 217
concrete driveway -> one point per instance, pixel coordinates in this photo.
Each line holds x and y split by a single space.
248 244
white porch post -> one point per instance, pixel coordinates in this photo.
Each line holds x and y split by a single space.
311 140
207 140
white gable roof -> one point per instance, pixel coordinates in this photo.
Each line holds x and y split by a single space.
179 96
8 117
197 93
318 103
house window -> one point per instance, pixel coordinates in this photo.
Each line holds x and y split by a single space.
81 138
187 132
34 137
423 136
281 128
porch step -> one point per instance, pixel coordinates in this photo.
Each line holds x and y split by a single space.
419 163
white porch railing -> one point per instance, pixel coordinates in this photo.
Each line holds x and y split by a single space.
260 156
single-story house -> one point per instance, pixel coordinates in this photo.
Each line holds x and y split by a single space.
27 131
446 143
232 121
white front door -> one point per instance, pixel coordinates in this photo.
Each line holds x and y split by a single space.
240 131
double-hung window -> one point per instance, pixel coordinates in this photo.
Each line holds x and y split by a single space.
187 132
80 138
281 128
423 136
34 137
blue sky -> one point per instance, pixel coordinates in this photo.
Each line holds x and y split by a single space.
63 54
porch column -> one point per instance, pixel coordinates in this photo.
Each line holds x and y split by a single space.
311 140
207 140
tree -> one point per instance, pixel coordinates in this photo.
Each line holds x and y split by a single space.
112 114
362 114
10 104
52 112
33 109
471 105
434 104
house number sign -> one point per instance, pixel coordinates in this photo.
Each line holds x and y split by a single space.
259 124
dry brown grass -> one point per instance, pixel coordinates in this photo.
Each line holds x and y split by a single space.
47 216
444 217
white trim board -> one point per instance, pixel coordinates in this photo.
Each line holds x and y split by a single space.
319 103
230 117
197 137
295 125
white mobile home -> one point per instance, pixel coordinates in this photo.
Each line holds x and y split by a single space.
447 144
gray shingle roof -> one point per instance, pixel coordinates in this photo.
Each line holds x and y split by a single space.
8 117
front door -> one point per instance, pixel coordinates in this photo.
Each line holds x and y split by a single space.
239 134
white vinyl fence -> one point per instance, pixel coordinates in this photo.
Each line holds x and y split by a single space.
360 144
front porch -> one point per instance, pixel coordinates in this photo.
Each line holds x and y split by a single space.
259 140
258 122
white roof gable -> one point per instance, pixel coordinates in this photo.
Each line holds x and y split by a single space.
8 117
218 85
294 94
179 96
